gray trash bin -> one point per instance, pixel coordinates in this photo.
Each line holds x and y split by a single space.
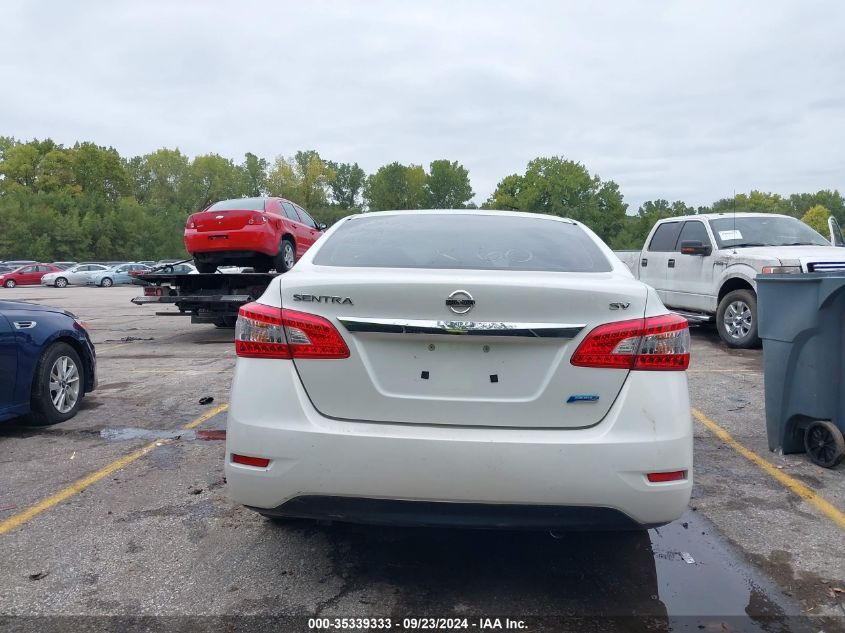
801 320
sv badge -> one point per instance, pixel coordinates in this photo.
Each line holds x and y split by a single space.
618 305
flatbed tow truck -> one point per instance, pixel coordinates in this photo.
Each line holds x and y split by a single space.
206 297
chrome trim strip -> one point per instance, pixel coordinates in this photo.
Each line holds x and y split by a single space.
462 328
25 325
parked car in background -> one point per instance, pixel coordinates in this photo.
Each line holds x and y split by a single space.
65 265
147 262
7 269
392 380
27 275
76 275
47 363
704 266
116 275
17 263
264 233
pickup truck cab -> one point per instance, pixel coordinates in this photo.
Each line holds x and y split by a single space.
704 266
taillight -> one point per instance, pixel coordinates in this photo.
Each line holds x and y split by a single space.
190 223
267 332
653 343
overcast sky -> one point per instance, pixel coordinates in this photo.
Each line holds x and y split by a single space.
671 99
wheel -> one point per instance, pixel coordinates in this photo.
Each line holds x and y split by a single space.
824 443
736 319
286 257
106 282
10 283
58 386
205 267
61 282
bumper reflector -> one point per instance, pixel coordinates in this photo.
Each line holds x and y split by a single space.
246 460
675 475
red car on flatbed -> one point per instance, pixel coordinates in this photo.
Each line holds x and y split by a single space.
27 275
265 233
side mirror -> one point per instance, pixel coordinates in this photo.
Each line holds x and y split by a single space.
321 226
694 247
836 238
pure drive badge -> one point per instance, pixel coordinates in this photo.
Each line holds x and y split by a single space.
323 299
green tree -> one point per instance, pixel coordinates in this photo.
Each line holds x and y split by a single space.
396 186
565 188
255 172
346 184
304 179
816 218
754 202
447 185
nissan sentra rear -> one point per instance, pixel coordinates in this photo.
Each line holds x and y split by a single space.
483 369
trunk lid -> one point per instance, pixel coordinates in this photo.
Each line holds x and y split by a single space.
223 220
505 362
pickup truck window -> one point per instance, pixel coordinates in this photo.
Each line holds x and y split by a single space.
665 237
745 231
694 230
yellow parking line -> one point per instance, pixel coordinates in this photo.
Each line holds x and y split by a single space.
819 503
79 485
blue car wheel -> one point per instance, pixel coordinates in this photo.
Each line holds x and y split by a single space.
58 386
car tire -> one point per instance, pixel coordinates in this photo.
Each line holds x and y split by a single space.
286 257
736 319
53 378
61 282
205 267
106 282
824 443
10 283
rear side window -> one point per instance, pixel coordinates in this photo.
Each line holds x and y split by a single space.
473 242
240 204
693 231
665 237
290 211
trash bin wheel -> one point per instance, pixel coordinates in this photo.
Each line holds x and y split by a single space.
824 443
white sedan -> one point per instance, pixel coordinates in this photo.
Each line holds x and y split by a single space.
76 275
484 369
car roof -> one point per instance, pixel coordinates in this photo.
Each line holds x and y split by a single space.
479 212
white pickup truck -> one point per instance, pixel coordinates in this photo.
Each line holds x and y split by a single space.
704 266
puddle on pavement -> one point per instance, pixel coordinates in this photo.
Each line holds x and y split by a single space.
603 581
122 434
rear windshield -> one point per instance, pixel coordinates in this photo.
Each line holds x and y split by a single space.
474 242
241 204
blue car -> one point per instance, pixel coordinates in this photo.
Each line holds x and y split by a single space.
47 363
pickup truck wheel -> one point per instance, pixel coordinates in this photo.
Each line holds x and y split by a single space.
736 319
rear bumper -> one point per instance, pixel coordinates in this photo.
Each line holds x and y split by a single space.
441 513
482 477
259 238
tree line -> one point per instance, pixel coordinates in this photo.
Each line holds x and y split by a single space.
88 202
